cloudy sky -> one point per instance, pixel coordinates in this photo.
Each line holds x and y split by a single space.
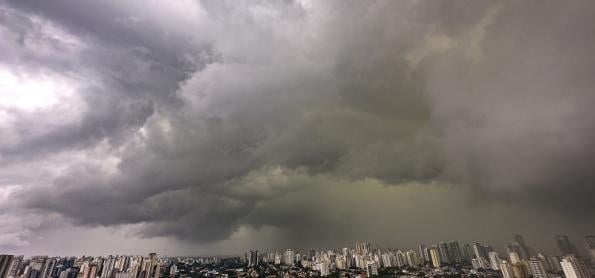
213 127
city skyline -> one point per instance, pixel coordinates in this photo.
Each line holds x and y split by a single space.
582 247
212 127
362 258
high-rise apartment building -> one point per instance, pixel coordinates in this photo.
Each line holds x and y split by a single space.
519 270
15 267
537 269
590 241
444 254
289 257
48 268
523 250
574 267
506 269
455 252
467 253
5 262
435 255
494 260
519 250
252 258
566 248
514 257
479 251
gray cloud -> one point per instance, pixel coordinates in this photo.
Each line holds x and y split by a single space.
253 115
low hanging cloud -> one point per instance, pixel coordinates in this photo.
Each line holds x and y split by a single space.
195 120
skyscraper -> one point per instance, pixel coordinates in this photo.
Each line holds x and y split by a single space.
312 253
479 263
444 254
435 257
427 256
494 260
5 262
514 257
537 268
455 252
289 257
524 251
545 262
467 253
566 248
38 264
479 251
519 270
93 270
48 268
506 269
401 259
517 248
252 258
574 267
15 266
411 258
590 241
152 267
108 267
421 253
554 262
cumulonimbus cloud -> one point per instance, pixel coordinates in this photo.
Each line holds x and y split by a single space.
197 125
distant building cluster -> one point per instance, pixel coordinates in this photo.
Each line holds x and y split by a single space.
83 267
443 259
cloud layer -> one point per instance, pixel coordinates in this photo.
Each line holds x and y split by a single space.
200 121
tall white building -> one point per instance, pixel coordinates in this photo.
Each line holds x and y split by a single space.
289 257
411 258
108 267
252 258
435 257
574 267
401 259
479 251
494 260
506 269
514 258
388 260
341 262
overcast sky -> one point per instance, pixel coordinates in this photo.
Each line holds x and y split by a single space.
213 127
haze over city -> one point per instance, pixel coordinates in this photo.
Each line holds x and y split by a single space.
217 127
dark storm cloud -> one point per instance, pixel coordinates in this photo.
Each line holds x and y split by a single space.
515 113
256 113
124 69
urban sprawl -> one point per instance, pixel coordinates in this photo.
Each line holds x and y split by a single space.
444 259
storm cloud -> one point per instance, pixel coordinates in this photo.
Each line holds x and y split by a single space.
314 121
